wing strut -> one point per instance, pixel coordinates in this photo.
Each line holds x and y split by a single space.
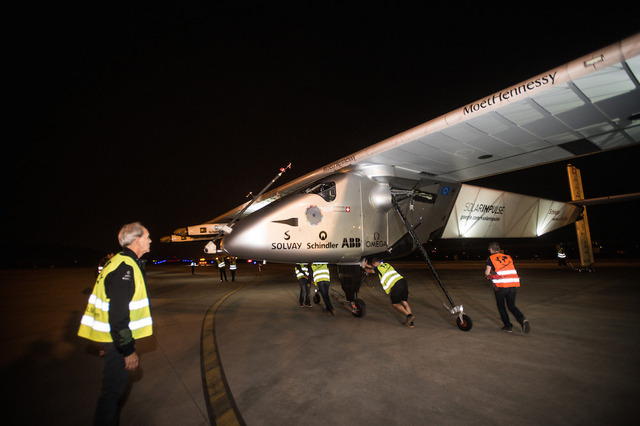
463 321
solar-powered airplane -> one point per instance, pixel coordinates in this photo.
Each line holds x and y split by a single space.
384 199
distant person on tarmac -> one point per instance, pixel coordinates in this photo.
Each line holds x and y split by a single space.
501 271
221 267
103 262
117 315
561 255
233 266
394 285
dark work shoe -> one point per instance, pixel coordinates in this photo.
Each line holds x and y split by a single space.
507 329
526 327
410 320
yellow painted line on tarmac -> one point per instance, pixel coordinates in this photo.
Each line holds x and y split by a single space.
220 403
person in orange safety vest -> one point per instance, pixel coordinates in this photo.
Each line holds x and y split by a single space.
501 271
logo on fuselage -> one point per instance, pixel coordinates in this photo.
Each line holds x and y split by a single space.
376 241
286 246
350 242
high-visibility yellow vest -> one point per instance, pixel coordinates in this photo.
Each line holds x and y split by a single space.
302 271
220 262
388 276
95 322
232 263
320 272
506 274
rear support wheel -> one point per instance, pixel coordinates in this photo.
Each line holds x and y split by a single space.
464 322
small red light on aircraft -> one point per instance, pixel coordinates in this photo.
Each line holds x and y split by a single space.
347 209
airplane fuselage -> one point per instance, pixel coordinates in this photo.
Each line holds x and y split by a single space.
339 219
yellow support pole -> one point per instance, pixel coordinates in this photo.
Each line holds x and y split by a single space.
582 226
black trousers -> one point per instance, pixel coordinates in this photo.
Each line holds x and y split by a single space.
508 295
323 288
304 291
114 382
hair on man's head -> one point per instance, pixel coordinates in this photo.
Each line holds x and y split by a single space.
129 232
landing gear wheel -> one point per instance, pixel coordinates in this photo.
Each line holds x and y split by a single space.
465 323
361 308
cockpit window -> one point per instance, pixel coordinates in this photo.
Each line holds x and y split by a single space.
327 190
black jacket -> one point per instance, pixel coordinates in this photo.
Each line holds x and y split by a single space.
120 287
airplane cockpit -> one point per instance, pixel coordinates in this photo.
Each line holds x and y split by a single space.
327 190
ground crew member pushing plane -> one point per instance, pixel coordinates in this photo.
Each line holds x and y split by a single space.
503 274
394 285
322 279
302 274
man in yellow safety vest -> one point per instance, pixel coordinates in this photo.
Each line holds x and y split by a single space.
233 266
221 265
118 314
322 279
302 274
394 285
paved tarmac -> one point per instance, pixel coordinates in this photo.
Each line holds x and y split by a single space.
245 353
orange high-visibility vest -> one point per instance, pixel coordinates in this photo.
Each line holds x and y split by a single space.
507 276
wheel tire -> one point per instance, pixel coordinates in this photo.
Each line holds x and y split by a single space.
361 308
465 324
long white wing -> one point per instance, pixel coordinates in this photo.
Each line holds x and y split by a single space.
589 105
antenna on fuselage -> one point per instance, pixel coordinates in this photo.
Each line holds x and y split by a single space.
227 229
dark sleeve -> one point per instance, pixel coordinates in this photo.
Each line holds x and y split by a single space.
120 286
490 263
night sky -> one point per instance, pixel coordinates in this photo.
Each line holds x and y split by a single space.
170 115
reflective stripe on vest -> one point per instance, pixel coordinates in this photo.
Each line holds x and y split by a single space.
95 321
320 272
302 271
388 276
508 276
220 263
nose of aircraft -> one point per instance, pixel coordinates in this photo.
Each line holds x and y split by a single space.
246 240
